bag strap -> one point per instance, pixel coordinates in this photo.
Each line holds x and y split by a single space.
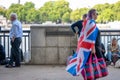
90 58
94 57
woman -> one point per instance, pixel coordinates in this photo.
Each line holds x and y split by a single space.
95 37
113 51
88 43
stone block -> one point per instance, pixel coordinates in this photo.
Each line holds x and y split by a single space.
64 41
38 37
51 55
73 41
52 41
63 54
38 56
51 29
64 29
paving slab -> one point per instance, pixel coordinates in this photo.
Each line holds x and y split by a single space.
48 72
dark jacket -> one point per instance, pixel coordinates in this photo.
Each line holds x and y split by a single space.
2 53
98 46
77 24
103 48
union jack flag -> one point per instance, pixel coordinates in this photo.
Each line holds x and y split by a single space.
86 41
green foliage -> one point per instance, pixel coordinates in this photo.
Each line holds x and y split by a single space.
32 15
78 13
75 15
60 10
46 11
29 5
2 11
106 15
14 8
83 11
54 10
66 17
108 12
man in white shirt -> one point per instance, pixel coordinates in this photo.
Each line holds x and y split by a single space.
16 33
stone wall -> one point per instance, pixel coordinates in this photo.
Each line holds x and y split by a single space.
51 44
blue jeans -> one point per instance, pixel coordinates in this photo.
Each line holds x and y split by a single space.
109 56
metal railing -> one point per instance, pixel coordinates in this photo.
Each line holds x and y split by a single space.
106 37
5 41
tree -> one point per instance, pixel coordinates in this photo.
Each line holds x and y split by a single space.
22 13
47 11
2 11
62 6
14 8
54 10
60 10
32 16
101 7
116 9
83 11
21 10
108 12
66 17
106 15
78 13
29 5
75 15
54 16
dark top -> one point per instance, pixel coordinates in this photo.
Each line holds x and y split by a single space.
2 53
103 48
98 46
77 24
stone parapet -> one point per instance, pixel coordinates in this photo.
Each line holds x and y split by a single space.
51 44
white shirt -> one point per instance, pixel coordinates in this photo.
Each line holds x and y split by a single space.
16 30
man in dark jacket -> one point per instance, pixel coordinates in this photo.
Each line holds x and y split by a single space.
2 55
79 25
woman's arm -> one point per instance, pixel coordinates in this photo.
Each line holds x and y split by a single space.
93 50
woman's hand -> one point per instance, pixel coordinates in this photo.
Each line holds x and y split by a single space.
93 50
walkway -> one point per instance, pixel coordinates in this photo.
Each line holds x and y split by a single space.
38 72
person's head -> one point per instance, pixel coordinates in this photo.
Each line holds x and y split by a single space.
84 17
13 16
92 14
114 41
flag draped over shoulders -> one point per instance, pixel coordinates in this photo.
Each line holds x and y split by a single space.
86 41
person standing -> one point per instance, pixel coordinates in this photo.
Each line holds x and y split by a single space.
16 33
92 16
89 44
79 25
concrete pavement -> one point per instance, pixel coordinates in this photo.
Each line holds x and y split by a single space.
47 72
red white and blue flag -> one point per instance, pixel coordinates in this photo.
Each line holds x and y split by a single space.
86 41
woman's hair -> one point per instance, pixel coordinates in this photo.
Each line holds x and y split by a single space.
90 12
114 39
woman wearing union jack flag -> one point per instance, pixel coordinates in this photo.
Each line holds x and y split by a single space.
89 42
